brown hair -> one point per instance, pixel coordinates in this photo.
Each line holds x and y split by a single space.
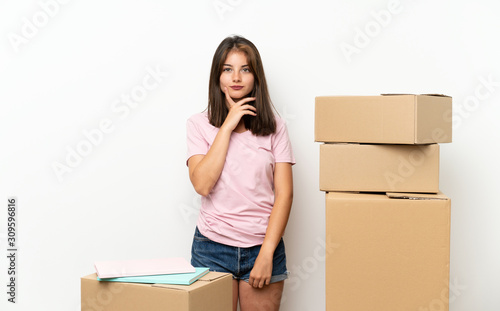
264 123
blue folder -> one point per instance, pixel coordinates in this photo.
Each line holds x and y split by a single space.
177 278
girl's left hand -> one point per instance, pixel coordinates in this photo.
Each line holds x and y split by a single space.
262 271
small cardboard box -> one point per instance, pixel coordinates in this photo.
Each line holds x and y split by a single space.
212 292
390 253
386 119
379 168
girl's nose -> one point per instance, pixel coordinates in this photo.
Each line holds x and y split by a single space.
236 76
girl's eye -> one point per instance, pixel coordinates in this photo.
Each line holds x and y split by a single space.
246 69
226 69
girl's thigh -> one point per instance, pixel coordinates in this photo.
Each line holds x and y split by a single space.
267 298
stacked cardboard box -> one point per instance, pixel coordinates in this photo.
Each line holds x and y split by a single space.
211 292
379 167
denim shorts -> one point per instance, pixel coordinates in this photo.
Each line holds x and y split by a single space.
238 261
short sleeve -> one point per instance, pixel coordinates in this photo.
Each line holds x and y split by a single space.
282 148
196 142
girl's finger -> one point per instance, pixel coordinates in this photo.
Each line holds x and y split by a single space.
246 100
249 107
261 284
228 98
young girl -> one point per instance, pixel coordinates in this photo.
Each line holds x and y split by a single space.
240 161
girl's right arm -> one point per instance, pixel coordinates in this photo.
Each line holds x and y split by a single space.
205 170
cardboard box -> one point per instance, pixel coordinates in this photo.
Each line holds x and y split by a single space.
389 254
386 119
212 292
379 168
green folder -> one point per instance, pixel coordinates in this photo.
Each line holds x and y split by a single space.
176 279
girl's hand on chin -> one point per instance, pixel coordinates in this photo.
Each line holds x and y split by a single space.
237 110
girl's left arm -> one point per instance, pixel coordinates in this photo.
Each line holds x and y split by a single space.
283 197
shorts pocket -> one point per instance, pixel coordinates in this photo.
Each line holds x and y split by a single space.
200 237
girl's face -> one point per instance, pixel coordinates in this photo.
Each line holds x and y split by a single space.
236 76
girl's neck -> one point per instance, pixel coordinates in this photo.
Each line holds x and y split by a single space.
240 128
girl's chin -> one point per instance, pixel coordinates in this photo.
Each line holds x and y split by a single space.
238 96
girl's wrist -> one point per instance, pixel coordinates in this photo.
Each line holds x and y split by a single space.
225 129
266 251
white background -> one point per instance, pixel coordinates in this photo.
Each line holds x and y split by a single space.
65 67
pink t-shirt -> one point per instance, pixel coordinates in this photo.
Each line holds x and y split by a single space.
236 212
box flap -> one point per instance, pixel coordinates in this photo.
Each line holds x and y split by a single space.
173 286
399 94
438 95
417 196
396 94
209 277
212 276
92 276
